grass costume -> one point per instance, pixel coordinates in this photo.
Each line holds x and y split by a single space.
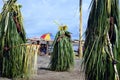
62 58
12 36
102 48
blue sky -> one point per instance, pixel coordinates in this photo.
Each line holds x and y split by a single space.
40 16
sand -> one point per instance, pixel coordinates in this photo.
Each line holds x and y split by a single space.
44 74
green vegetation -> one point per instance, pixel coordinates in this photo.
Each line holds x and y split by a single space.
62 58
102 52
12 36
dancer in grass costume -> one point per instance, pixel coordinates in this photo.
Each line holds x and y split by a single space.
102 46
62 58
12 36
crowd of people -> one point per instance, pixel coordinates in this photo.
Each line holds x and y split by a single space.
42 49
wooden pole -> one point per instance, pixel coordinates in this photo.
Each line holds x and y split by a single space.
80 30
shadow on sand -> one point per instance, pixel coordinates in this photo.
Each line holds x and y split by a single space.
43 68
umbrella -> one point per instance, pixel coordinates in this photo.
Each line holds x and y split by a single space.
46 36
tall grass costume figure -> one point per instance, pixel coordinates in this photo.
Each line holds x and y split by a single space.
62 58
102 42
12 35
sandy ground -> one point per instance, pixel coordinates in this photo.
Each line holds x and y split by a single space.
44 74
